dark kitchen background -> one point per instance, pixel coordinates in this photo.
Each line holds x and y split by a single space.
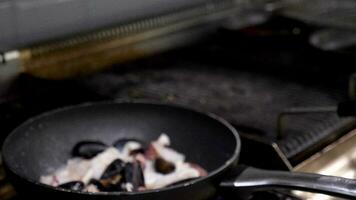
282 72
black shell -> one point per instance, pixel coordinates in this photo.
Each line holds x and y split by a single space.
115 168
105 186
163 166
88 149
134 175
74 185
97 183
120 143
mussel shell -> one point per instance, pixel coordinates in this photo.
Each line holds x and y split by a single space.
97 183
137 151
106 187
163 166
120 143
88 149
74 185
115 168
134 175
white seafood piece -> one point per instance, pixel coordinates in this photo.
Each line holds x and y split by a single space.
155 180
130 146
74 170
79 169
49 180
91 188
99 163
164 140
168 153
84 169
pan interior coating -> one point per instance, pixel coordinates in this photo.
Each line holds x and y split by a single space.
43 144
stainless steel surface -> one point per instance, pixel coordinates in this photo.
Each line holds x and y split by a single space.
338 159
91 52
26 21
171 22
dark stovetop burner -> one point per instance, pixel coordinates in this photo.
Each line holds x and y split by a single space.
248 77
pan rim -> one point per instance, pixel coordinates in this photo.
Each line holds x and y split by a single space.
210 175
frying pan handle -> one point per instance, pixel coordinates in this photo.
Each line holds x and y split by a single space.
251 179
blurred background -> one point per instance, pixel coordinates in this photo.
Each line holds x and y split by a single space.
281 71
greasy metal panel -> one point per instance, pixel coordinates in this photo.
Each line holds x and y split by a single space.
28 21
7 33
42 20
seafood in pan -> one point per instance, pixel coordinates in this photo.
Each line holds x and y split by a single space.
127 165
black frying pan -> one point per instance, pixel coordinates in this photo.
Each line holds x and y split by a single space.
43 144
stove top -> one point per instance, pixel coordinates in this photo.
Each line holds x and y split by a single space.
248 77
234 94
